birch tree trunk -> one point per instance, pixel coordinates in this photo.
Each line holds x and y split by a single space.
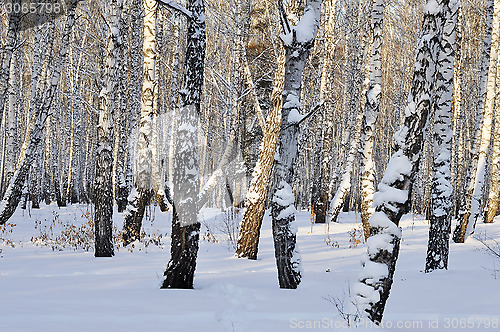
248 238
186 178
392 200
11 122
255 200
353 81
34 134
465 198
298 42
441 204
372 105
458 151
493 195
326 85
142 192
7 51
103 186
473 213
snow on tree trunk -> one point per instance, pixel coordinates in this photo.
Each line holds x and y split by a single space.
473 212
441 204
372 105
8 49
392 200
142 193
103 198
298 42
326 85
248 238
186 178
34 133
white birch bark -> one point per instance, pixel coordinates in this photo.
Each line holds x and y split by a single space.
392 200
470 179
372 105
103 186
351 103
7 51
298 42
467 225
326 85
142 192
11 122
33 138
493 195
441 204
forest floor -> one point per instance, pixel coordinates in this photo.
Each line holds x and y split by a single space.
46 285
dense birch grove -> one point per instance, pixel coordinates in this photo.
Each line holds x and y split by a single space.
377 107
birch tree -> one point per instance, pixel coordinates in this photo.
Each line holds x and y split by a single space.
354 83
33 138
493 195
441 204
298 41
372 105
11 120
249 233
103 189
186 182
392 200
473 213
142 191
8 49
326 85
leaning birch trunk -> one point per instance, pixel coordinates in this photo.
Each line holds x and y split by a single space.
474 214
392 200
248 238
255 200
466 198
372 105
103 187
142 193
326 85
186 178
441 204
298 42
345 183
34 133
7 51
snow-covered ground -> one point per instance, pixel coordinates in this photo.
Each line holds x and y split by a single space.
42 289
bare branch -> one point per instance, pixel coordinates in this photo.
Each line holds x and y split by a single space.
178 7
313 110
284 19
